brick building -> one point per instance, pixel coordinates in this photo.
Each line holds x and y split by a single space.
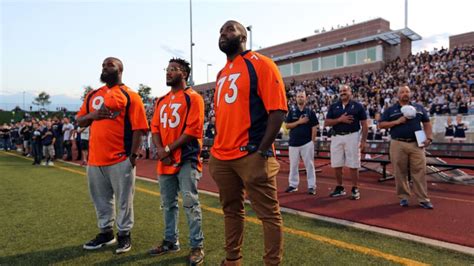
351 49
461 39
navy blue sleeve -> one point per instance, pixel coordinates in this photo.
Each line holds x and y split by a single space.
362 114
288 117
385 116
313 119
424 118
330 113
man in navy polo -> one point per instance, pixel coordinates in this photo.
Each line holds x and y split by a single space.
302 122
405 154
347 117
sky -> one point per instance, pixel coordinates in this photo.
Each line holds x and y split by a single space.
58 46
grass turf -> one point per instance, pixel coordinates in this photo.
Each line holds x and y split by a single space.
47 215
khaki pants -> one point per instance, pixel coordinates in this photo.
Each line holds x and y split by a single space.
257 177
408 156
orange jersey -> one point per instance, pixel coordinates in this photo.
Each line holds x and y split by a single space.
176 114
247 89
110 140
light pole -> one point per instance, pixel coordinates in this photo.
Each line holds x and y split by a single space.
249 28
191 76
208 65
24 100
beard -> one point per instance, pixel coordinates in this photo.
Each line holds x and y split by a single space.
231 46
110 78
174 82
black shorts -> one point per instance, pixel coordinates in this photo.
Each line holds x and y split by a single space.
85 145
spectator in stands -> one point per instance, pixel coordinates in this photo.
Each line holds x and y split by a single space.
302 122
47 141
460 129
347 117
407 158
211 128
68 129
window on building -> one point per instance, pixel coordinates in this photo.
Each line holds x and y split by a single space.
361 56
371 54
296 69
285 70
305 67
351 58
328 62
340 60
315 63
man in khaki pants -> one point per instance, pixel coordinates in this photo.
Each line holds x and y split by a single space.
405 155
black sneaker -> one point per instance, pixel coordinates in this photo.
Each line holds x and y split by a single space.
426 205
124 243
196 256
312 191
102 239
164 248
338 191
291 189
355 193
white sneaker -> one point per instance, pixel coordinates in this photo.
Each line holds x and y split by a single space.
51 164
43 163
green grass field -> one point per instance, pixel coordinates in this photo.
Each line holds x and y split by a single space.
47 215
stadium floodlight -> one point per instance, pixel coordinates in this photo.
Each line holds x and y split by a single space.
208 65
249 28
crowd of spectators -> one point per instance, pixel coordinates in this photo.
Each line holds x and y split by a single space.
45 140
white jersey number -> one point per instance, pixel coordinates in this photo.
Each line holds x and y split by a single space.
174 122
228 97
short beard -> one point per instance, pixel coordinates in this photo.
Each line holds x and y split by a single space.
174 82
231 46
111 78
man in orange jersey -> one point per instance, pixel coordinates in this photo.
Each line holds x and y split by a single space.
117 120
177 128
250 105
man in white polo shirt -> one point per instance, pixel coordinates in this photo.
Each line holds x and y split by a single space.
347 117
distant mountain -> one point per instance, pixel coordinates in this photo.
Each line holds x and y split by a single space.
10 101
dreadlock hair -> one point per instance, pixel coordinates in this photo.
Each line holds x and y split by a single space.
184 64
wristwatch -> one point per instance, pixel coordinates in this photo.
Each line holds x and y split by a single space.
263 154
167 149
134 155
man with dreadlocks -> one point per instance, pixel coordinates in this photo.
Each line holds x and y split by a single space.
177 128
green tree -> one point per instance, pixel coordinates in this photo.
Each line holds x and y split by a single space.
87 89
42 99
144 91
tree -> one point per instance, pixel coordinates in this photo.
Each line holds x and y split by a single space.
42 99
144 91
87 89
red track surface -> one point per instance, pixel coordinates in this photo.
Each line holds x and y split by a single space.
452 220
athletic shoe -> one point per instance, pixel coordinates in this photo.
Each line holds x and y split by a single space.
291 189
43 163
124 243
196 256
404 203
338 191
312 191
355 193
426 205
102 239
164 248
51 163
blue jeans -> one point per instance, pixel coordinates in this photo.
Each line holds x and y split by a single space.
185 181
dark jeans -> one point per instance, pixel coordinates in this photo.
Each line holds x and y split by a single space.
68 146
37 150
58 148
